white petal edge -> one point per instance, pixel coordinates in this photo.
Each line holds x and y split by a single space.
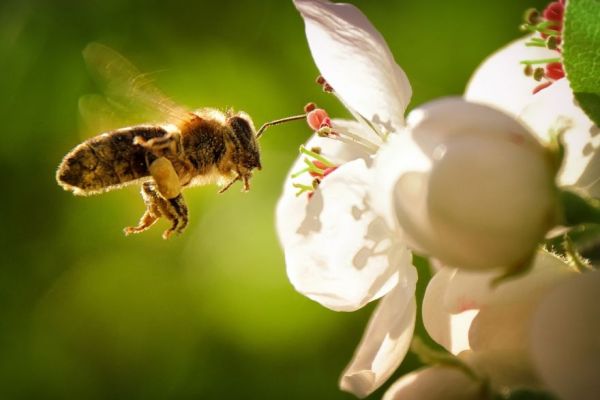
355 60
385 342
435 383
500 82
343 255
474 290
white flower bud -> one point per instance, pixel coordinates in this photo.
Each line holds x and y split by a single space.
470 185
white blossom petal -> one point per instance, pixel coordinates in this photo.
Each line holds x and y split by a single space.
505 368
355 60
450 330
385 342
435 383
474 290
581 166
500 82
342 254
566 338
291 209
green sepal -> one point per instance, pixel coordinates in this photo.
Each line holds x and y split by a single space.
578 210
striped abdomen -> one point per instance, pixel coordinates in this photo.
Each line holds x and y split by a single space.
107 161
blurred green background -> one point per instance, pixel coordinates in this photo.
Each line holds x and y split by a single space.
88 313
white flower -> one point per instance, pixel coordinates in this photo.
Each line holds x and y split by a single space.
540 330
339 251
500 82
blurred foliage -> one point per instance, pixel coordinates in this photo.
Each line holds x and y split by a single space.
87 313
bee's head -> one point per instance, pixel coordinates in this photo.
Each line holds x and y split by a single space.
243 128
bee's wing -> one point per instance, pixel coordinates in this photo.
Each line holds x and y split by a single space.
129 94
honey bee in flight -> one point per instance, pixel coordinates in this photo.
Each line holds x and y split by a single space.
188 148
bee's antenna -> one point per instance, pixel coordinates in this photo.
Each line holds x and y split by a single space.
277 122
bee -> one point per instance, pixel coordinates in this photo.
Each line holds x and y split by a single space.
189 148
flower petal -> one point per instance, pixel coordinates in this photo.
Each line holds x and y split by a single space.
449 330
435 383
504 368
385 342
355 60
342 254
581 166
291 209
500 82
474 290
566 338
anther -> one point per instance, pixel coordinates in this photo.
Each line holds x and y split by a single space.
309 107
528 71
532 16
552 42
538 74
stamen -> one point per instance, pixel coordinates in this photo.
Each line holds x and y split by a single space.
541 61
302 171
302 188
316 156
348 137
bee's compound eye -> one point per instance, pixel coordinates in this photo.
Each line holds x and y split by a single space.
241 127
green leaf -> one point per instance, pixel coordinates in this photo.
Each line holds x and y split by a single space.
590 104
581 41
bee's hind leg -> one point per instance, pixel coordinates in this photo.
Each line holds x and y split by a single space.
157 206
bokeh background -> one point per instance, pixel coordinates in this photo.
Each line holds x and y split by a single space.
90 314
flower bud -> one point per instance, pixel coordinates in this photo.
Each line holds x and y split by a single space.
472 187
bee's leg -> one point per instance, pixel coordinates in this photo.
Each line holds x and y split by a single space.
177 214
157 206
152 214
246 179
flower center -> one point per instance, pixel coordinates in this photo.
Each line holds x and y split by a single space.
317 166
549 25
